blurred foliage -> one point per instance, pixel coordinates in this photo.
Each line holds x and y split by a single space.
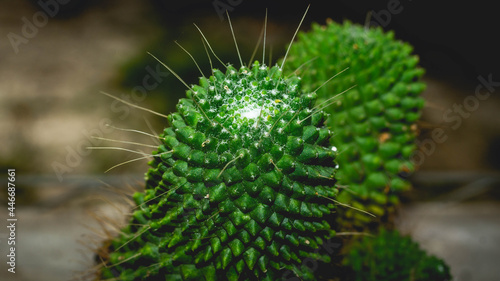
389 256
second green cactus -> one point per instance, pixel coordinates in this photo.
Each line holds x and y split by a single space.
374 124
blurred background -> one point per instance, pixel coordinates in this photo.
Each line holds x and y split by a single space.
56 58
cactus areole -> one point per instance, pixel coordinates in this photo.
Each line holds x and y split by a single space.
241 187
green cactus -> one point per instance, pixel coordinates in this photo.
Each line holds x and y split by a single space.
244 183
374 123
240 188
389 256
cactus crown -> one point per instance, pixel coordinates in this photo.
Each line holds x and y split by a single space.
245 104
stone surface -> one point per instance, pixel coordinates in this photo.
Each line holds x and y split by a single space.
466 235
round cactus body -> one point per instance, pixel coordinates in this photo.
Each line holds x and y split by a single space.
240 188
374 123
